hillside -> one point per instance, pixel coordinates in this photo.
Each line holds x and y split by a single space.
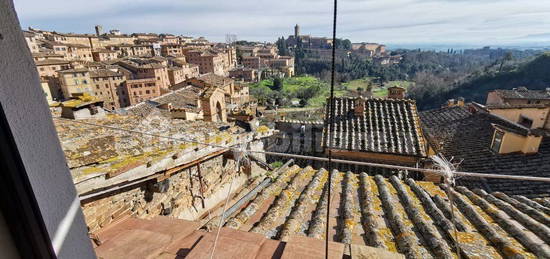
296 91
533 74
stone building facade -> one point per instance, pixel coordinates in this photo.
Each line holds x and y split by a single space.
75 81
184 194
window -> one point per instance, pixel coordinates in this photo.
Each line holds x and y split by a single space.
524 121
497 141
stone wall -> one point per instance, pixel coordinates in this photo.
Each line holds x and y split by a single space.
305 138
182 195
297 137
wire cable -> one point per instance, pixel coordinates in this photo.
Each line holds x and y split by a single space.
331 121
341 161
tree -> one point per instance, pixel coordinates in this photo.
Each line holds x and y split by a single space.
277 84
507 57
346 44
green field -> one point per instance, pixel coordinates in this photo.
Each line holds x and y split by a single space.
359 83
310 89
313 92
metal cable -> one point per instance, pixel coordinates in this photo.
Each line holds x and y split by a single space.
351 162
331 123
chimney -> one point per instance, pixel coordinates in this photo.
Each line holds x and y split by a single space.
359 108
460 102
522 89
396 92
450 102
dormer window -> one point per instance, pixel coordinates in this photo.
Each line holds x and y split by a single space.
524 121
497 141
515 140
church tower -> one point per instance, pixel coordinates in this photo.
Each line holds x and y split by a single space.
296 31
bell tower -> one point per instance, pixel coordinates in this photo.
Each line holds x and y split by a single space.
296 31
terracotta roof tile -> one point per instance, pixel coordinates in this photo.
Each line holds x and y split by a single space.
524 93
406 216
384 126
466 136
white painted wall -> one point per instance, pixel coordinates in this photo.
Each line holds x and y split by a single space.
30 121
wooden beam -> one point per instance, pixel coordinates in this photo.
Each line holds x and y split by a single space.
167 173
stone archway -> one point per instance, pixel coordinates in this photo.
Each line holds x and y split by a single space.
219 112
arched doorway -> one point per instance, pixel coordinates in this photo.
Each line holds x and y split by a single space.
219 114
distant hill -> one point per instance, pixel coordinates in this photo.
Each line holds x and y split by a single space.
534 74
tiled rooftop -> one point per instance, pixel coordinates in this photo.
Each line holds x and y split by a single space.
104 73
52 61
458 133
214 79
100 157
185 97
524 93
384 126
406 216
164 237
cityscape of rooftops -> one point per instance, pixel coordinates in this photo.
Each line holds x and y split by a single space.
251 129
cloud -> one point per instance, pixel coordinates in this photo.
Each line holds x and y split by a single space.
396 21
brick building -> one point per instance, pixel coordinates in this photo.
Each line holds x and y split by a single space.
209 61
140 90
122 50
178 74
49 67
171 49
104 55
109 87
246 74
148 68
252 62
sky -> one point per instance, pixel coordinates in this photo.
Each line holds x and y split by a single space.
398 22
